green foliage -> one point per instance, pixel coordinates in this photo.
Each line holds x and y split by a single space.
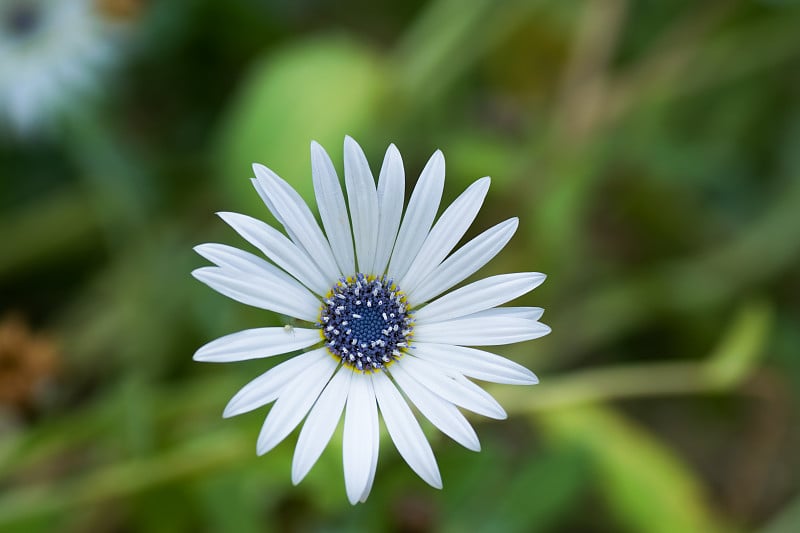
651 151
538 494
645 485
742 347
310 90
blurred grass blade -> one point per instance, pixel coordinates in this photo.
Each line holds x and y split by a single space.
647 487
195 458
540 494
28 232
787 521
730 362
442 40
448 38
742 346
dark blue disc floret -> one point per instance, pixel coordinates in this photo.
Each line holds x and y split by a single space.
366 322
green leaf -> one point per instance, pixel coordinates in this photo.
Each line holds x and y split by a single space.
540 493
742 346
646 486
318 90
787 519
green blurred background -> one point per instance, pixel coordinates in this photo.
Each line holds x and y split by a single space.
650 148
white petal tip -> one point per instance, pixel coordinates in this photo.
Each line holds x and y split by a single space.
433 478
262 173
203 355
437 159
262 449
300 470
297 477
528 378
232 409
520 376
498 413
365 494
317 153
508 226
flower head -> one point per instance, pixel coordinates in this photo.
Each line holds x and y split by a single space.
381 331
50 53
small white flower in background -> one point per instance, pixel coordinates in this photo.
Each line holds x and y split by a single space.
51 54
382 331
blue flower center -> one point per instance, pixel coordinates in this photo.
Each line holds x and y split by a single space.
366 322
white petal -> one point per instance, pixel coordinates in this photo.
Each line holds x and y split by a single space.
405 431
478 296
256 343
261 291
332 209
442 414
448 230
279 249
262 193
482 331
269 385
226 256
230 258
358 447
391 193
297 216
373 466
528 313
465 394
294 402
422 208
475 363
464 262
363 203
320 424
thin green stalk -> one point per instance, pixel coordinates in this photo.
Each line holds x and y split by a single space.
54 226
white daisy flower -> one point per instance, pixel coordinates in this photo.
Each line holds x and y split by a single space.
50 53
382 333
